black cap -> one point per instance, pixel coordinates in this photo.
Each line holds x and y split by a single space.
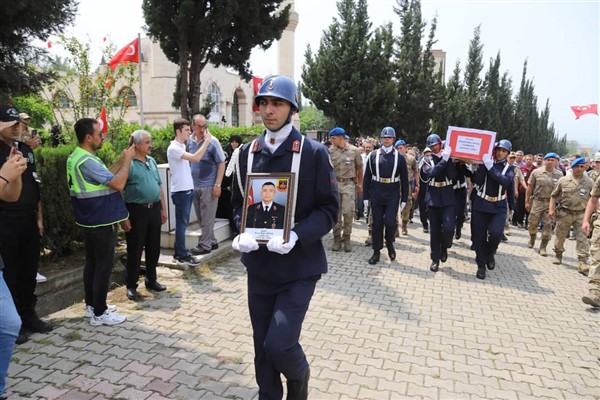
9 114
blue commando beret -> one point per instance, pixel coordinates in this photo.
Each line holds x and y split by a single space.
337 131
551 155
400 143
578 161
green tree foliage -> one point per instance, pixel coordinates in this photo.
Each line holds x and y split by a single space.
350 77
22 23
194 33
474 91
312 119
418 84
38 108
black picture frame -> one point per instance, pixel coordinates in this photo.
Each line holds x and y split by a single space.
276 222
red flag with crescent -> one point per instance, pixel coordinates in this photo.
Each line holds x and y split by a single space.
129 53
250 196
102 120
587 109
256 82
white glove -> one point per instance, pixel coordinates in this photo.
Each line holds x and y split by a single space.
402 205
366 204
469 167
487 161
276 244
446 153
244 243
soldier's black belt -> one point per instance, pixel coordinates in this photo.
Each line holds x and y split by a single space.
145 205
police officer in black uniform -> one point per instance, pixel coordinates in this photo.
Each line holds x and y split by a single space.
266 214
441 201
493 187
282 276
385 188
21 229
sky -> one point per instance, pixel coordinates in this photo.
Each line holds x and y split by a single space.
559 39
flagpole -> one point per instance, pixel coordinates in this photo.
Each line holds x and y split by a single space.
141 97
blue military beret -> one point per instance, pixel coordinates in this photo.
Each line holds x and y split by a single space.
551 155
400 143
578 161
337 131
346 137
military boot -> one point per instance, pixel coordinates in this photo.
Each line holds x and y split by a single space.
337 244
298 389
375 257
480 272
583 268
543 245
593 298
404 228
531 242
347 244
558 259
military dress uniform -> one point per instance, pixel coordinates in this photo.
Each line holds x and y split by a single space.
385 186
543 183
413 172
493 191
572 195
441 207
460 193
424 162
265 217
280 287
345 162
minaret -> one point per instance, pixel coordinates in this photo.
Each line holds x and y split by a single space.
285 50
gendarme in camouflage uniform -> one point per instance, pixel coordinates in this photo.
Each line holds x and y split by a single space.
348 166
593 298
571 193
541 184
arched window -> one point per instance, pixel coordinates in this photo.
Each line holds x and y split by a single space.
215 98
128 96
235 111
61 100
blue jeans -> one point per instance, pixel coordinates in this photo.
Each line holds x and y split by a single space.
183 205
10 324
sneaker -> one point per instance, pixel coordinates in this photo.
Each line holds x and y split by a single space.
89 310
107 318
187 260
199 251
40 278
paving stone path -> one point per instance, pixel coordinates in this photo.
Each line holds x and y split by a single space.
390 331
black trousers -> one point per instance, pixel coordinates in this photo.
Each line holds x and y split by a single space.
423 209
441 231
99 259
461 205
486 233
143 236
20 250
384 219
520 211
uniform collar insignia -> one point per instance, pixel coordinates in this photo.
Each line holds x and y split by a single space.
296 146
255 147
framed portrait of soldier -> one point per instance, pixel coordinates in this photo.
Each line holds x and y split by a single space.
267 206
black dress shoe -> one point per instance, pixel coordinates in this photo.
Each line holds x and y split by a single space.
23 336
435 265
214 246
33 323
504 238
480 272
426 230
155 286
132 294
491 263
298 389
458 234
444 255
391 251
374 258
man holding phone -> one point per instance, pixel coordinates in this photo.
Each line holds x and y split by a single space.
21 228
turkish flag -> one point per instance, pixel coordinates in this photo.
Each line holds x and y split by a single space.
256 82
587 109
250 196
129 53
102 120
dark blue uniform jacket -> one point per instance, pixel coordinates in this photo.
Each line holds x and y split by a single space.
383 192
316 210
495 180
442 171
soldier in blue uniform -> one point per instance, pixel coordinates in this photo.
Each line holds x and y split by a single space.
493 186
385 187
441 201
463 171
282 276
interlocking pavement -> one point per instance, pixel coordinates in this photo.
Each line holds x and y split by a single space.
389 331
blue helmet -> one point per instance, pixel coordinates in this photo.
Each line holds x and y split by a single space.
400 143
504 144
388 132
433 139
337 131
551 155
279 86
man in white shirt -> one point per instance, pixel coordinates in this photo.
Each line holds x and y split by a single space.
182 185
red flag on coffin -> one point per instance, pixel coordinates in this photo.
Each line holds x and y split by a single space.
256 82
587 109
102 120
250 196
129 53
